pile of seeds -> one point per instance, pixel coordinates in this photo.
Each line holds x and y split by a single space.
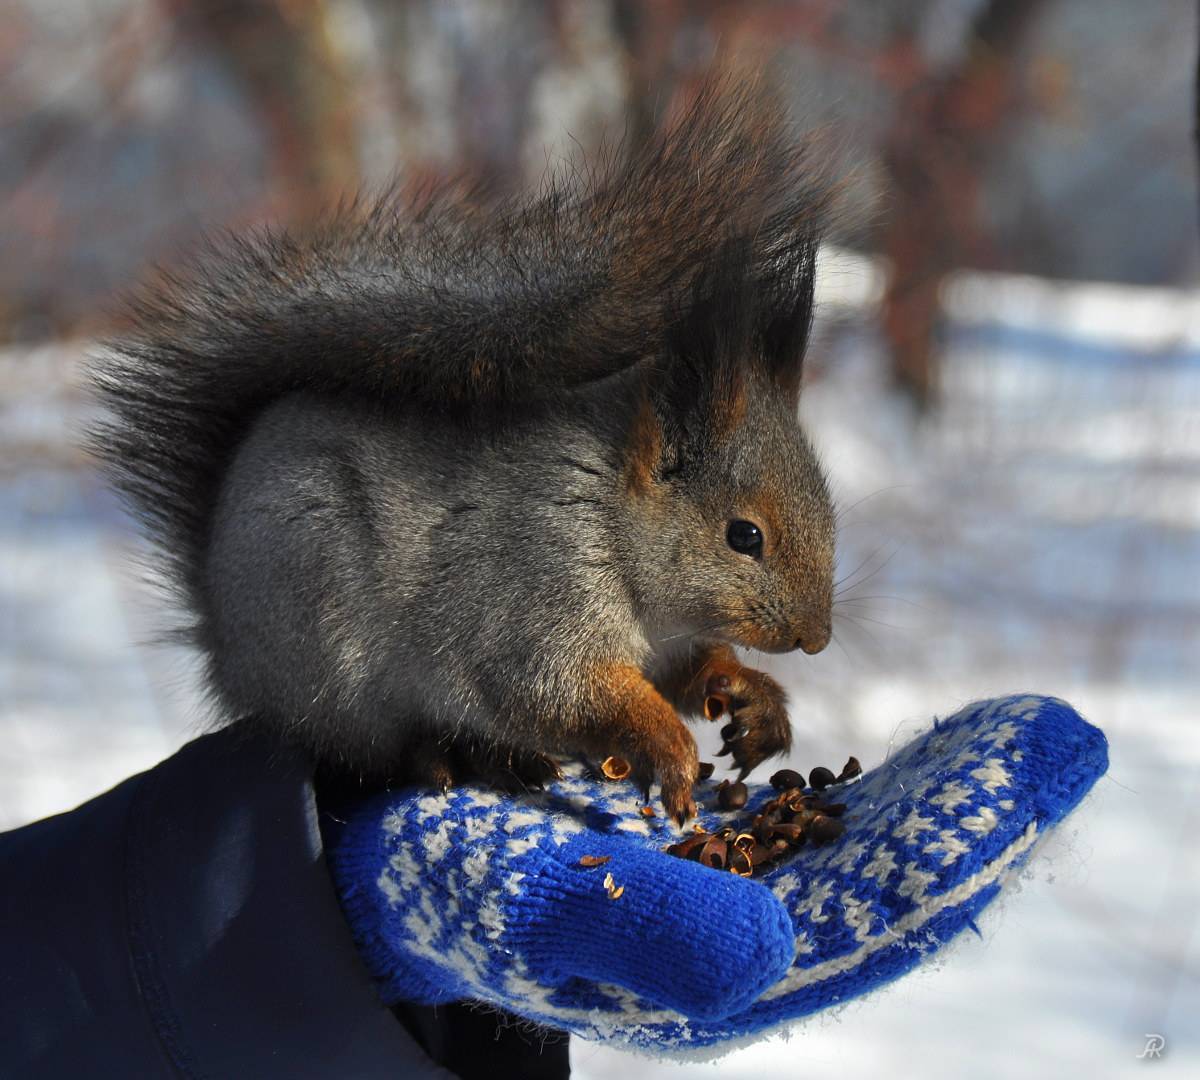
795 816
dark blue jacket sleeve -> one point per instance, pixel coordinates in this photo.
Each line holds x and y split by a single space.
184 925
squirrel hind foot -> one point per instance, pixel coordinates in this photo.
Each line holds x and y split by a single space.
442 764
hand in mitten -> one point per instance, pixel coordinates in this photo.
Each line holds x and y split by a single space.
563 907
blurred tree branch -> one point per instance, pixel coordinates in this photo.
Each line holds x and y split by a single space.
1196 102
283 55
129 129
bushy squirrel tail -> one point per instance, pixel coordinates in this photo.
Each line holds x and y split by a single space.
442 301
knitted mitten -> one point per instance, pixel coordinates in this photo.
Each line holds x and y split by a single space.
561 906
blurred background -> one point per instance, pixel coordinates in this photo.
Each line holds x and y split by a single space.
1004 386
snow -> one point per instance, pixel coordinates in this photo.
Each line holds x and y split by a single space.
1041 532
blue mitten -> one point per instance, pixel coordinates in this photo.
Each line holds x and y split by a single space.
561 906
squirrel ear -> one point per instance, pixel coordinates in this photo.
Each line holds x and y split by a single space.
644 447
683 408
747 313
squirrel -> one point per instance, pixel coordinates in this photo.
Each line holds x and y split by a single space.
450 490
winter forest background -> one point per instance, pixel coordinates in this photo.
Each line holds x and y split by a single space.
1005 387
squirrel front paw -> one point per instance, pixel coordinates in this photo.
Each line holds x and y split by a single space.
629 718
675 763
758 726
676 780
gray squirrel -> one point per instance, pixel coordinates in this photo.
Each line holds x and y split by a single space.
449 490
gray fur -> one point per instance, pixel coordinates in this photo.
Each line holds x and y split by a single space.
374 574
444 474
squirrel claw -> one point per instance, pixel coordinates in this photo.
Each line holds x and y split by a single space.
681 811
734 730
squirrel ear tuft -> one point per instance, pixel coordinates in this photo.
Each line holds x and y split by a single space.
697 388
748 313
785 303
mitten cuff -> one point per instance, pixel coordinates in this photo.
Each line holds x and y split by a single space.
358 851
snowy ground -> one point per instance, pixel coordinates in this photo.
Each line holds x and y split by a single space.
1041 533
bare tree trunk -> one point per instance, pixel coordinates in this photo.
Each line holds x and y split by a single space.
1196 109
934 156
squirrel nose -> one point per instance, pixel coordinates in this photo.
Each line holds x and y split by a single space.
814 638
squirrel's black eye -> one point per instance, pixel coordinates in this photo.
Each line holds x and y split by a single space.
745 538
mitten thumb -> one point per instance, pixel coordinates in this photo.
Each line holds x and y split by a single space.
680 935
472 895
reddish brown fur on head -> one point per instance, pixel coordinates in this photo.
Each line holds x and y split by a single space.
717 440
687 574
